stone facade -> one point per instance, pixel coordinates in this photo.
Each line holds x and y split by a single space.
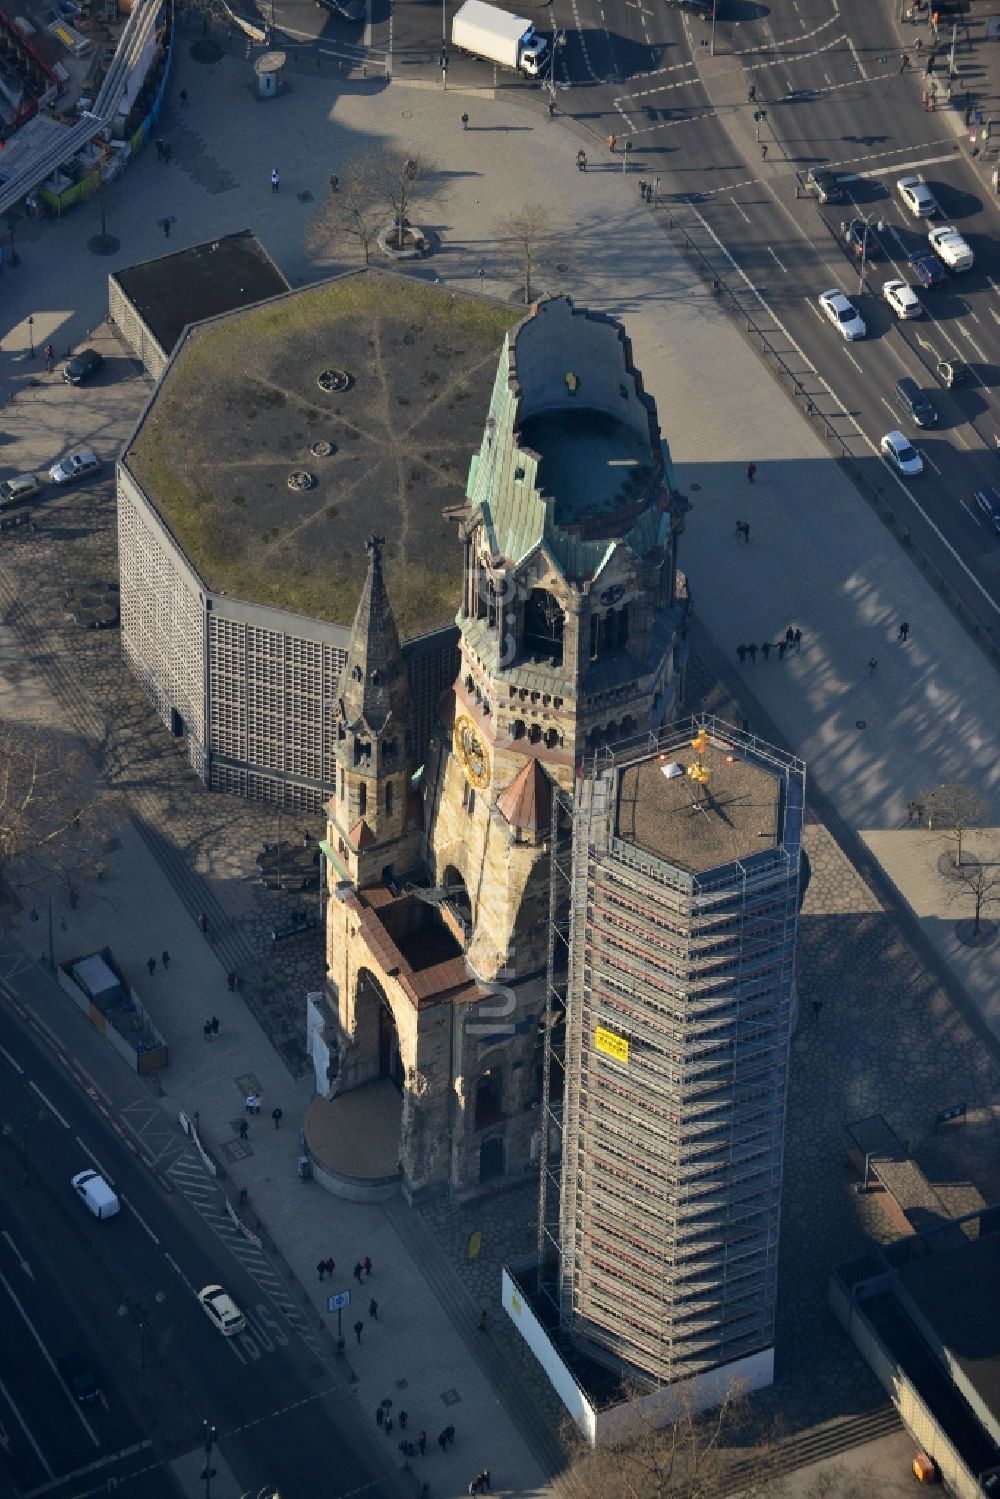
570 626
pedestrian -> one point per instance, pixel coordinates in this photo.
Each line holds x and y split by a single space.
359 1328
334 183
367 1264
782 648
752 653
741 651
251 1100
159 149
483 1320
442 1439
166 228
911 810
581 161
763 151
373 1309
904 631
331 1264
388 1423
474 1485
275 180
422 1443
449 1433
642 188
321 1267
50 357
165 958
797 638
766 649
206 1030
612 143
920 45
203 923
752 94
465 121
402 1418
244 1129
231 981
746 533
550 106
276 1116
739 529
183 97
751 472
968 116
357 1272
487 1480
215 1025
151 965
872 664
817 1006
380 1415
168 153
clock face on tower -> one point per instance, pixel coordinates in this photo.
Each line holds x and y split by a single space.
470 749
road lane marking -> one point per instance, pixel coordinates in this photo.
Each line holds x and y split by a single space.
739 210
19 1256
46 1355
92 1157
50 1106
927 459
7 1056
42 1462
140 1219
899 166
968 336
857 60
851 357
776 260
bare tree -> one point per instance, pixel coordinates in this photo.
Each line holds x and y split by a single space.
531 241
955 808
405 179
978 882
355 210
52 808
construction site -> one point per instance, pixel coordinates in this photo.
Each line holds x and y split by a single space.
674 904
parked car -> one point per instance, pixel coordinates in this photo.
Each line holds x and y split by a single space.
862 240
21 487
825 185
843 314
222 1311
902 299
917 197
988 501
918 406
928 269
949 246
901 454
75 466
82 366
79 1377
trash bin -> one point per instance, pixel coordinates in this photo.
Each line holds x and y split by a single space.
305 1169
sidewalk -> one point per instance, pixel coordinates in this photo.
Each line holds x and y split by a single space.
817 559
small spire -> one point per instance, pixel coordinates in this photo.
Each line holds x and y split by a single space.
374 684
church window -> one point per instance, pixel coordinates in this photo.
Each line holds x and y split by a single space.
489 1098
551 738
621 628
535 734
362 799
388 798
343 792
543 627
519 729
519 476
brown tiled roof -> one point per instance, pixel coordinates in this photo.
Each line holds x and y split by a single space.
361 836
527 801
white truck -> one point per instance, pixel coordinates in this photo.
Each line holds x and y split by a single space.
494 34
949 246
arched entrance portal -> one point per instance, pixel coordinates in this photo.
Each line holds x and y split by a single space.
457 900
374 1015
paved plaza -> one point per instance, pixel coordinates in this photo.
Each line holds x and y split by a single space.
896 1015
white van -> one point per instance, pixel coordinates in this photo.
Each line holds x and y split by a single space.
91 1187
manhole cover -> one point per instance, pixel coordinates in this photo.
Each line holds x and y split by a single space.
335 380
300 480
322 449
695 487
861 723
305 197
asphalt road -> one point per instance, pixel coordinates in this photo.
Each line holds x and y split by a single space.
827 78
123 1293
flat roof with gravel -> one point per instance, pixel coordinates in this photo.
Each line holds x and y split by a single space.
241 408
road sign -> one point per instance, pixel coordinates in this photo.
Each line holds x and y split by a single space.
338 1302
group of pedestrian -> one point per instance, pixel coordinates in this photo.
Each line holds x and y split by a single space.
446 1437
645 190
327 1266
253 1103
743 531
211 1028
581 160
482 1483
164 151
914 811
362 1268
151 962
792 640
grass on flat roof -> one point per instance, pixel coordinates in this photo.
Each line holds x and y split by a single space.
240 407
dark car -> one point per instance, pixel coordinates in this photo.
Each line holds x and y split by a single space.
82 366
80 1378
862 240
351 10
988 501
920 407
928 270
825 185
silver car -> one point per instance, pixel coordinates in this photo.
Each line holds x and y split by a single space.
75 466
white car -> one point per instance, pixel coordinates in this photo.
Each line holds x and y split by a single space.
21 487
917 197
902 299
75 466
949 246
901 454
222 1310
842 313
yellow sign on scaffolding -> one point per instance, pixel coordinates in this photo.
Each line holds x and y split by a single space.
610 1044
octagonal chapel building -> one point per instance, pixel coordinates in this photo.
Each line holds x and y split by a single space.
572 622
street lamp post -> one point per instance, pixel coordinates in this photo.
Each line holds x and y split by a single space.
139 1310
558 40
208 1472
878 227
31 336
